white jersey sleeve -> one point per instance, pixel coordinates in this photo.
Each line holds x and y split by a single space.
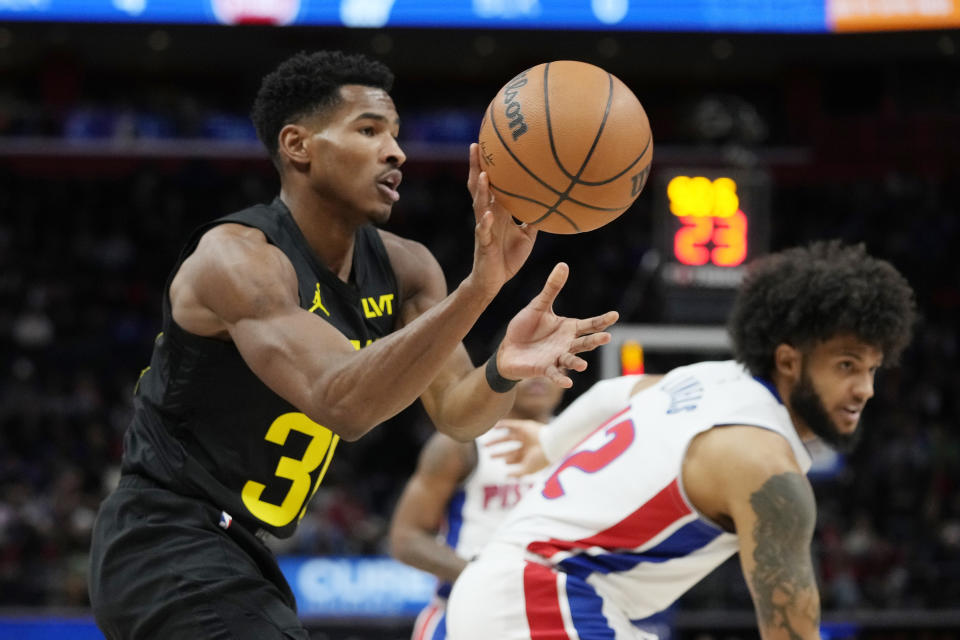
598 403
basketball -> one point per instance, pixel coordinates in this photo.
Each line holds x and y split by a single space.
566 145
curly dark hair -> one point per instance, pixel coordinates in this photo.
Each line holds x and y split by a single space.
806 295
307 84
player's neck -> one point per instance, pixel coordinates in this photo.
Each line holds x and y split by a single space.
803 431
330 237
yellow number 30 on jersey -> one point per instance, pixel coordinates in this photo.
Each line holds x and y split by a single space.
319 451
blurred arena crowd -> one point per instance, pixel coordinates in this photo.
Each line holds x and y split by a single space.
86 243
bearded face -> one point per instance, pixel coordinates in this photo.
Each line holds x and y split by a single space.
834 385
810 408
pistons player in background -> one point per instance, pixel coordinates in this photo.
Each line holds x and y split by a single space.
456 497
651 489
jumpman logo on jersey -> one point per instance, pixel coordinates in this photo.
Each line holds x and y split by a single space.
317 302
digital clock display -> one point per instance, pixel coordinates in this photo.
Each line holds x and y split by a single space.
710 221
714 229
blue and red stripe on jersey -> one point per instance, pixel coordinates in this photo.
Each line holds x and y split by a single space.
620 551
652 518
547 591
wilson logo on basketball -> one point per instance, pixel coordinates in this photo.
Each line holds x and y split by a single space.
518 126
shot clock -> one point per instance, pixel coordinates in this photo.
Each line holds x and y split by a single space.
709 223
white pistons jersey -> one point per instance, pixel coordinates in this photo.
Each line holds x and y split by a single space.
608 537
484 499
473 514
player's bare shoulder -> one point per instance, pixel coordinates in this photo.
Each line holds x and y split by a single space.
232 273
726 464
419 275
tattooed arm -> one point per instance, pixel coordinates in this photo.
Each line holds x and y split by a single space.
748 479
775 556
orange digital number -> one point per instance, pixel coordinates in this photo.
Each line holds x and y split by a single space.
730 240
727 234
689 243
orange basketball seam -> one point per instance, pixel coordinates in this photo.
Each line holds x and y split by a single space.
556 158
537 202
596 138
567 199
518 196
619 175
574 179
496 130
567 218
493 124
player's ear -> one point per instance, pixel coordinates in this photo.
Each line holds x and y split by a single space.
292 144
788 361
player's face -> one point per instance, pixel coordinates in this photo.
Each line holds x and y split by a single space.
537 398
355 157
835 383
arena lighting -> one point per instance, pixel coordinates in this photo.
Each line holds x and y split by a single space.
657 348
631 358
796 16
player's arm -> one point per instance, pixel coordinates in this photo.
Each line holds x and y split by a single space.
460 400
236 286
589 411
419 513
748 478
538 446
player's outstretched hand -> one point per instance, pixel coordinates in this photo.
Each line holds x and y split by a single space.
540 343
501 246
527 457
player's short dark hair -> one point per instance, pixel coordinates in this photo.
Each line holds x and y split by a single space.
806 295
309 84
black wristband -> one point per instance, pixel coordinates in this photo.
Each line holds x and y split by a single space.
496 381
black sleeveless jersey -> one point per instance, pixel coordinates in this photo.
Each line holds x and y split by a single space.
205 426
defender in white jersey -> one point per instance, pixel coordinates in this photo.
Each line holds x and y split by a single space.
653 488
456 498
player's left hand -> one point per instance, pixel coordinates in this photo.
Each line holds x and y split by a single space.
527 456
540 343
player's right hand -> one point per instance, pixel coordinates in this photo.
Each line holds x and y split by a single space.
501 246
538 342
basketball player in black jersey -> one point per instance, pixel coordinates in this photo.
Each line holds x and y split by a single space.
286 327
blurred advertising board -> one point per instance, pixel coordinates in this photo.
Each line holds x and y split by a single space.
350 587
892 15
